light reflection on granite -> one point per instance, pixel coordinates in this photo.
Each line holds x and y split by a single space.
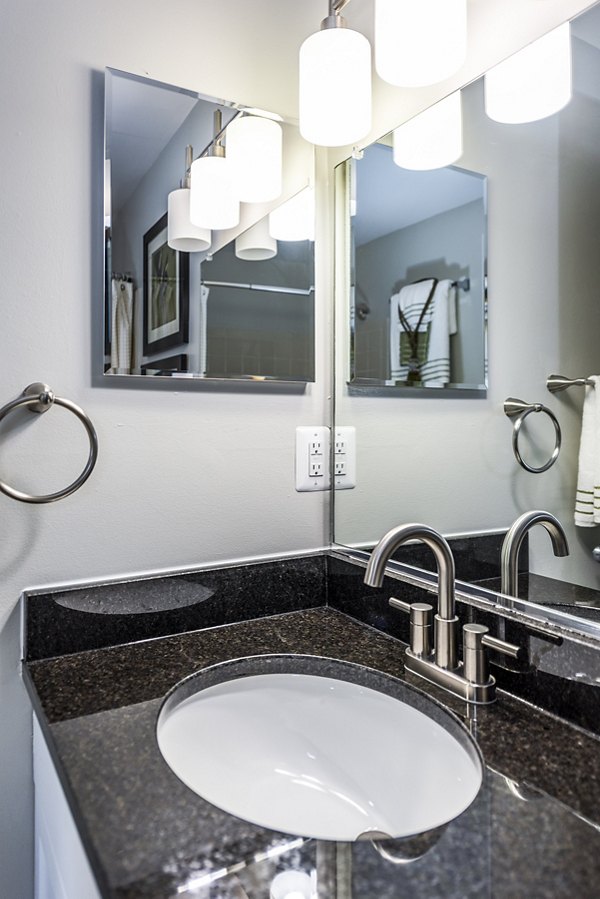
148 835
137 599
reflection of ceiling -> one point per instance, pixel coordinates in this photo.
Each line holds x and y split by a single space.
389 198
143 116
587 27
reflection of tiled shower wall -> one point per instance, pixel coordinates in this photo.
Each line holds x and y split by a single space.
233 351
260 333
371 350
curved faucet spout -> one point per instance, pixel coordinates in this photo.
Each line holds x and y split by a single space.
514 539
445 620
390 542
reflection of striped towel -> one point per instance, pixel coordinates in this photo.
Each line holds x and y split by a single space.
122 327
587 500
438 323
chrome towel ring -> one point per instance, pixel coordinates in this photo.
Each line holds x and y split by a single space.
517 411
39 398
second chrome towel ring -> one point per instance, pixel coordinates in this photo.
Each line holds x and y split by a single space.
39 398
517 411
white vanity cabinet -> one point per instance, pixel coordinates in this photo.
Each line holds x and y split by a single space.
62 870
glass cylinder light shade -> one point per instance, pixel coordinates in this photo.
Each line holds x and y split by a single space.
335 87
534 83
419 42
182 235
294 219
254 152
433 139
256 243
214 203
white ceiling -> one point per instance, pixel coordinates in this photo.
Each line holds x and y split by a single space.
142 118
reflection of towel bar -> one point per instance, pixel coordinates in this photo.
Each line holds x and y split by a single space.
555 383
463 284
39 398
267 287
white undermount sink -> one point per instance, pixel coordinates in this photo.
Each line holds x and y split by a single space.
268 740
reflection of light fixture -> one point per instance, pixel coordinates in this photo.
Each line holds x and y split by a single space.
256 243
294 885
294 219
534 83
182 234
214 203
254 153
419 42
335 83
433 139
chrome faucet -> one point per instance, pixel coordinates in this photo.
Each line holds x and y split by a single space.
445 621
509 567
437 660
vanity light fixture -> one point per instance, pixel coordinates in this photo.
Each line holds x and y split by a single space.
532 84
335 83
433 139
419 42
294 219
254 153
182 234
256 244
214 202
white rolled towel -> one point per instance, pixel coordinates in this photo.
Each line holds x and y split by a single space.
587 499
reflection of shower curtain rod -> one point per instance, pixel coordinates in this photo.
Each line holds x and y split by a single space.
268 287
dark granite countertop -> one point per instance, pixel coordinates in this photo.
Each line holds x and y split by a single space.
534 829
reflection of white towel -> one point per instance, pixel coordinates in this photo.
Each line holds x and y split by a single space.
121 350
439 320
587 500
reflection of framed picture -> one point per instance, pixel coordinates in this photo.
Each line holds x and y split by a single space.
166 291
166 364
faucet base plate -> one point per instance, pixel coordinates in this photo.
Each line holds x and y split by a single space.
451 680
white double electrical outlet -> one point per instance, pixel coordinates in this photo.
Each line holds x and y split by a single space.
313 458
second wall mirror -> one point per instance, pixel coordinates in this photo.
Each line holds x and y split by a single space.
187 296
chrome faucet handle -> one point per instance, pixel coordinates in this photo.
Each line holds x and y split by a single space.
476 664
421 625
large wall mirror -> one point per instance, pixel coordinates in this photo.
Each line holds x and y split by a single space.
237 302
447 462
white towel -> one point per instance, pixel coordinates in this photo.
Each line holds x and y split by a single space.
121 348
587 500
439 320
